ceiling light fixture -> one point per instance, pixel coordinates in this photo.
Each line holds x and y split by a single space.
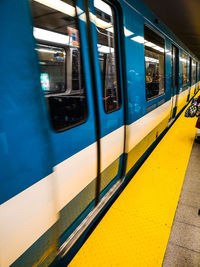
50 36
59 5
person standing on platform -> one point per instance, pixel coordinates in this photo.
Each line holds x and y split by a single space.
192 111
197 139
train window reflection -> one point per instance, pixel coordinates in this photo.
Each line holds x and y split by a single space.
185 63
154 63
105 25
58 47
52 65
193 72
197 72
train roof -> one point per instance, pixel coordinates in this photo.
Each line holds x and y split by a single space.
141 8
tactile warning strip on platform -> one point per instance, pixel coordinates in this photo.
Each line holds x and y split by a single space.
136 229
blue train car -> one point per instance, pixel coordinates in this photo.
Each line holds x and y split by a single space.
86 89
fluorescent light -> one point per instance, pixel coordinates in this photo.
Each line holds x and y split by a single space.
105 49
59 5
152 45
149 44
184 60
103 7
110 29
101 23
150 59
158 48
51 36
138 39
46 50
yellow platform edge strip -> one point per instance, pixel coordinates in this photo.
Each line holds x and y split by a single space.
136 229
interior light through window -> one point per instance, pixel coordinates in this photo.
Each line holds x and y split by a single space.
59 5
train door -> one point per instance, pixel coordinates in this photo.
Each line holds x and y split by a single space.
190 79
105 52
80 74
193 77
174 79
61 37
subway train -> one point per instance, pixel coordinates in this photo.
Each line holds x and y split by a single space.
87 89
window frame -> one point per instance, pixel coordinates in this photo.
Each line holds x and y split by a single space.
197 68
42 42
184 85
115 13
163 37
190 71
194 61
38 41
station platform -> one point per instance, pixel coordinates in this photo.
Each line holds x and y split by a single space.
144 227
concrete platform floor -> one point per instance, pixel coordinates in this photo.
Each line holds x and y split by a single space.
184 243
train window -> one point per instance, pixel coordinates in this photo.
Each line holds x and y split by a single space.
185 63
52 62
154 63
190 70
106 33
57 36
193 72
199 72
174 67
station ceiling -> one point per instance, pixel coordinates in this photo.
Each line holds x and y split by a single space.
182 17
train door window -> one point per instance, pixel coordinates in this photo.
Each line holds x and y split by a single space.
175 67
190 70
193 72
197 71
105 21
185 62
154 63
58 47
